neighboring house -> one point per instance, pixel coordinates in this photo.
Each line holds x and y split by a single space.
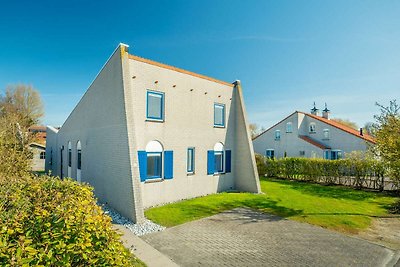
39 133
311 136
146 133
39 156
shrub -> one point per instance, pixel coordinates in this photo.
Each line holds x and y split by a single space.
46 221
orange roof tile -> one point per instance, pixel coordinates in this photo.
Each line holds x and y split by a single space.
313 142
165 66
342 127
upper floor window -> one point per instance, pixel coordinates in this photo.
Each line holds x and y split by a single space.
326 134
289 128
312 127
190 160
277 135
219 115
155 106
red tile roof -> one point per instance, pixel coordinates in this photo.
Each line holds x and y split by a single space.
313 142
165 66
342 127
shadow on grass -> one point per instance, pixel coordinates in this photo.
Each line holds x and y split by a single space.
331 191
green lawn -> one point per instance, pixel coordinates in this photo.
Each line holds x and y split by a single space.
338 208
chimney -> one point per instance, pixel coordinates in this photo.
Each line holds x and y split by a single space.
314 110
361 131
325 112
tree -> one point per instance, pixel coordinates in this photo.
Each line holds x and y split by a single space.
387 134
20 108
24 102
255 129
369 128
346 122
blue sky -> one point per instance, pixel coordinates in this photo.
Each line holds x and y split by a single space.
287 54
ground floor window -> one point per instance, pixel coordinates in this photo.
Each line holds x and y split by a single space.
270 153
42 155
190 160
219 161
336 154
154 164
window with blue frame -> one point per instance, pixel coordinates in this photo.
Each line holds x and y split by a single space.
219 161
155 106
219 115
154 164
336 154
190 160
270 153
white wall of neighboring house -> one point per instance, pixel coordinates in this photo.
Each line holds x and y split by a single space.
38 157
294 146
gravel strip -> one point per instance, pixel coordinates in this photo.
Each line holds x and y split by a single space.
138 229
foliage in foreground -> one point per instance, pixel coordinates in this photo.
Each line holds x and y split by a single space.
46 221
333 207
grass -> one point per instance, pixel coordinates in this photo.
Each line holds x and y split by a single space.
333 207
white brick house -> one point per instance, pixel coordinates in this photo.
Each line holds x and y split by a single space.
312 136
146 133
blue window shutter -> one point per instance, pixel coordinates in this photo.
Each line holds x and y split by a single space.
210 162
142 155
228 161
168 164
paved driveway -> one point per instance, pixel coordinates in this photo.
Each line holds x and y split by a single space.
243 237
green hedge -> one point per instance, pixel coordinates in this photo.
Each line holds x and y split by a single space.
355 172
48 222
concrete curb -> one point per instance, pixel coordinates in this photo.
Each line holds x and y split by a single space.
143 250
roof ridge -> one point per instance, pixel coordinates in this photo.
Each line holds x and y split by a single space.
166 66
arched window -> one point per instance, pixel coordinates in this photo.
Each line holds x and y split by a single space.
154 151
289 127
69 158
312 127
219 157
79 161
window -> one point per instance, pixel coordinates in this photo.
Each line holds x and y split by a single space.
302 152
219 115
154 164
326 134
312 127
327 154
69 154
42 155
277 135
270 153
79 154
289 127
155 106
336 154
218 158
190 160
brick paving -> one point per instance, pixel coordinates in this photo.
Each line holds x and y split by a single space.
242 237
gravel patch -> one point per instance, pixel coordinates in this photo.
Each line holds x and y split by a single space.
138 229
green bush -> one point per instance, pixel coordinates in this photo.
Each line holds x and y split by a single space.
358 172
48 222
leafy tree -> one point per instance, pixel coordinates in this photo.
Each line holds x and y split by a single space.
369 128
254 129
346 122
24 103
387 132
20 108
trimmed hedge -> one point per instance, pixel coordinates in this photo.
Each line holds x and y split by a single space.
48 222
355 172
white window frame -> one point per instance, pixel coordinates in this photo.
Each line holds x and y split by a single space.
289 127
277 135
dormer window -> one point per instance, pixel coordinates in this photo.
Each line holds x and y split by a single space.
326 134
277 135
289 128
312 127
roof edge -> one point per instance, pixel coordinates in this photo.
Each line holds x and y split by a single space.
165 66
